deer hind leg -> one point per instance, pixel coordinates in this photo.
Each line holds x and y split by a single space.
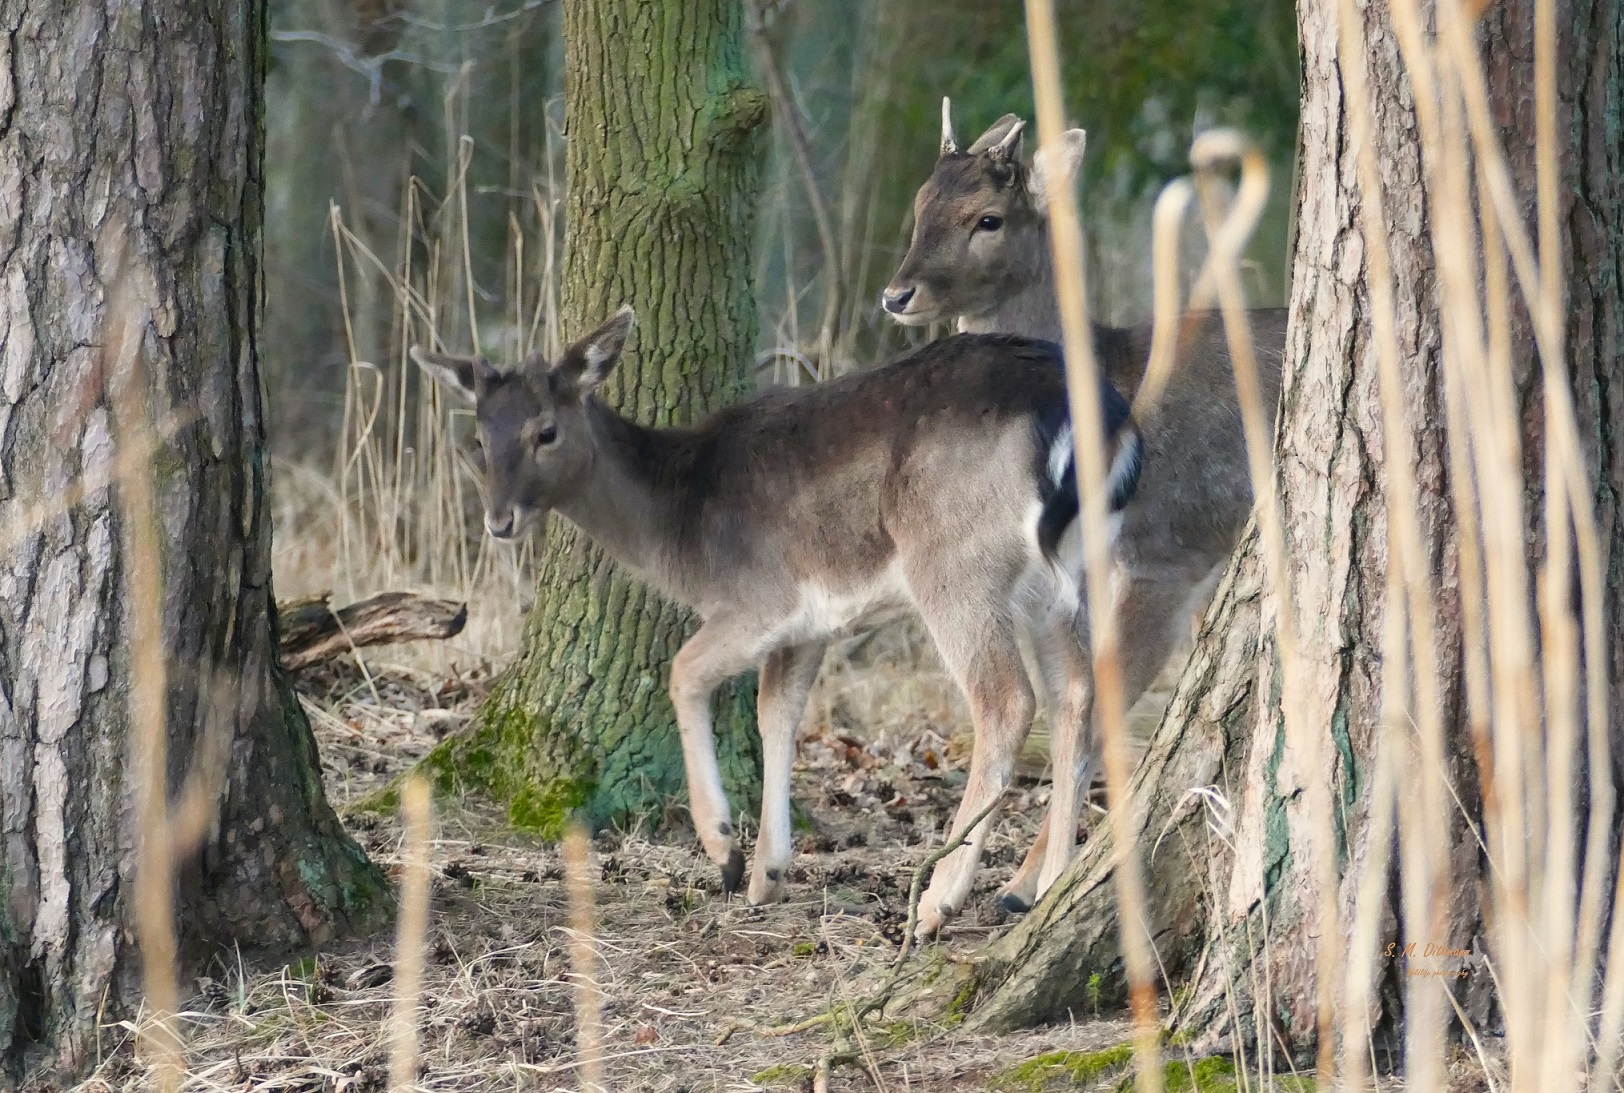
786 682
1063 668
1151 623
718 651
1075 747
983 655
1018 896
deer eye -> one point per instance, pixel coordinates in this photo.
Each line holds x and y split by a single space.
989 223
546 435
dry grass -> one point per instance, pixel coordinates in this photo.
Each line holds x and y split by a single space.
679 967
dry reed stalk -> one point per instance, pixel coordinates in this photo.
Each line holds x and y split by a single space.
578 881
788 113
1406 548
1564 456
1495 443
411 931
1566 498
346 449
1371 898
1083 388
1546 957
1209 151
402 506
126 381
1170 207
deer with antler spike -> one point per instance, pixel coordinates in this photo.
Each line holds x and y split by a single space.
980 257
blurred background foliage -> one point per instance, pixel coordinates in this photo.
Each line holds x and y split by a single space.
461 95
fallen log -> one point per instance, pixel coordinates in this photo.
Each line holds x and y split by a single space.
312 631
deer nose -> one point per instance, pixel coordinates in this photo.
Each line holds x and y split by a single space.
896 302
500 526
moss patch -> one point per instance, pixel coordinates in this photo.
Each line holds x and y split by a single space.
1060 1069
1218 1075
546 810
897 1033
783 1074
385 802
959 1008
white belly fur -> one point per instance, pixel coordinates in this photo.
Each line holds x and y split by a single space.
825 612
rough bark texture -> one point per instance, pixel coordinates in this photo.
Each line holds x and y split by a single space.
147 114
1224 727
663 157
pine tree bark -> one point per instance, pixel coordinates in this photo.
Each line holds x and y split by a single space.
662 163
1234 915
146 115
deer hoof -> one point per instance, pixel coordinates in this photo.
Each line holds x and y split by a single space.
1013 903
732 872
932 917
768 888
930 924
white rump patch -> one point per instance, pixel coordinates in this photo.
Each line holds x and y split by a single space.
1060 453
1125 465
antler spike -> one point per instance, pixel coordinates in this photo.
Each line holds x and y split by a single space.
949 145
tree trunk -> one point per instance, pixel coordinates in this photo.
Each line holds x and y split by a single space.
1234 919
662 164
146 115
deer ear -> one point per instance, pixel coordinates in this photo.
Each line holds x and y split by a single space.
589 361
1049 163
464 377
998 133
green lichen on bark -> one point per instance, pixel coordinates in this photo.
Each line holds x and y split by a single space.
663 158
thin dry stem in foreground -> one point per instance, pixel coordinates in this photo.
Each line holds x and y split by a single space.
1546 930
584 959
1083 380
1409 566
149 730
411 934
1228 237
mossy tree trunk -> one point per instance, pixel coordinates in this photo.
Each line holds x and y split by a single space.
1230 917
142 118
662 164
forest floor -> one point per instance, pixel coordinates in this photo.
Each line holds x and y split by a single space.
696 988
699 993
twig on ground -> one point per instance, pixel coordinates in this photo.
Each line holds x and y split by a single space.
312 631
916 888
799 1026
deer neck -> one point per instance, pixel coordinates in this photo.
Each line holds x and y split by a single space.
1029 307
622 504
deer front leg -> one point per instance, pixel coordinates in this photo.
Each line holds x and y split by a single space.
786 682
718 651
988 667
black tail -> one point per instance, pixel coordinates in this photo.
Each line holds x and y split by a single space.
1057 474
